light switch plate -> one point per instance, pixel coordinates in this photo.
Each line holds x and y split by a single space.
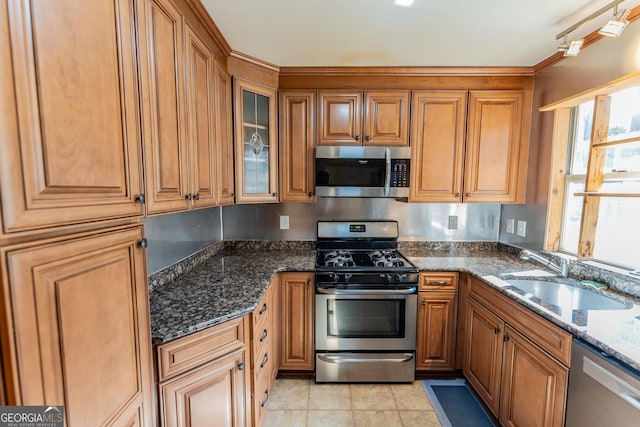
522 228
284 222
511 226
453 222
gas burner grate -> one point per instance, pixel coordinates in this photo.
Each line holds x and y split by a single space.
339 259
386 259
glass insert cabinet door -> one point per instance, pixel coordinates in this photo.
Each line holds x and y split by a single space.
256 143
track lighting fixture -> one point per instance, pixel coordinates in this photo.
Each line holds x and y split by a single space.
613 28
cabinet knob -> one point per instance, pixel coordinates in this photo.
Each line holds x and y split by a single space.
241 366
188 196
468 195
458 194
505 338
368 138
274 194
357 137
311 194
140 199
196 196
496 330
424 302
143 243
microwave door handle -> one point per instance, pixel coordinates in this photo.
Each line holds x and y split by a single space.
387 175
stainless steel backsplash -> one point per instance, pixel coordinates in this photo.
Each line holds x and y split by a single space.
417 221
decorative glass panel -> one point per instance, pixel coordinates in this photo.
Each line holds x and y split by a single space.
255 110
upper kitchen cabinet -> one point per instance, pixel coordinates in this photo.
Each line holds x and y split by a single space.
297 115
256 143
497 147
489 166
178 110
369 118
68 120
224 135
437 149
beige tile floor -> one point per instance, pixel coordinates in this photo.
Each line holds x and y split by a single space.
305 403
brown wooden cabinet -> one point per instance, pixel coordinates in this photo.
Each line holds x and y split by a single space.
516 361
437 145
437 316
297 134
179 132
224 135
65 157
296 333
363 118
256 142
497 147
487 164
203 377
76 320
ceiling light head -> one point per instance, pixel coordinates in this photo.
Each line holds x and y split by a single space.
405 3
614 27
574 48
564 46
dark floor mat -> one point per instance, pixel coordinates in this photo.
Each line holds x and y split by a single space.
456 403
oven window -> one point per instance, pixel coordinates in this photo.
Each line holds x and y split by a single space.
370 318
350 172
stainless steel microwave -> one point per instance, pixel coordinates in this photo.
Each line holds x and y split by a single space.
347 171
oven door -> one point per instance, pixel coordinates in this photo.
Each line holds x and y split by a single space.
353 322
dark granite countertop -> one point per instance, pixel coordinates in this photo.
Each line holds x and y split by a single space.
232 281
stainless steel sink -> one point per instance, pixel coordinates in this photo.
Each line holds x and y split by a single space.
564 296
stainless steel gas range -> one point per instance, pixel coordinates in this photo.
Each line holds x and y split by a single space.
365 304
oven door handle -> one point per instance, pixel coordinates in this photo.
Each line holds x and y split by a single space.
387 174
354 359
367 291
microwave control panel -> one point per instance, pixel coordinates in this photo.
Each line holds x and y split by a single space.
400 172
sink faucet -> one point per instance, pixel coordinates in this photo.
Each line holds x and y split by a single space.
562 269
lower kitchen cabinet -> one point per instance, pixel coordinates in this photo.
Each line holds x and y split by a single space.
203 377
75 328
296 333
436 329
517 362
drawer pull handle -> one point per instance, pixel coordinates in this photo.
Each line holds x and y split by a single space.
265 360
241 366
265 333
263 309
266 397
496 330
438 282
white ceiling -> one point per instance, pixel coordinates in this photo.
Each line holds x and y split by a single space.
379 33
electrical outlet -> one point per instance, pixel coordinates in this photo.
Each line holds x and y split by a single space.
522 228
453 222
284 222
511 226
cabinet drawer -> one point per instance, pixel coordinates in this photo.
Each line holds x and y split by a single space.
191 351
261 341
438 282
263 362
551 338
261 395
261 313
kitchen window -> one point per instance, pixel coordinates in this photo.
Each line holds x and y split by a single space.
600 206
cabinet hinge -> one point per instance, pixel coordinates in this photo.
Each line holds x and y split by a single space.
140 199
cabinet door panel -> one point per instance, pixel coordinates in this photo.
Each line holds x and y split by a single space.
436 331
483 357
65 157
386 118
297 112
494 139
339 120
81 323
211 396
534 385
162 87
201 119
296 334
224 135
437 145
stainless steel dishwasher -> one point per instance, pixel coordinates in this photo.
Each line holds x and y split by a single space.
602 391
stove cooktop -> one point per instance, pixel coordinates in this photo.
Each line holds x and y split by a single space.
378 260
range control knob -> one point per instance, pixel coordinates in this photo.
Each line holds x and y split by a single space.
347 277
334 277
400 277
